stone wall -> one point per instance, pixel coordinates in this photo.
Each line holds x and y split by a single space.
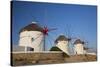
48 58
36 58
81 58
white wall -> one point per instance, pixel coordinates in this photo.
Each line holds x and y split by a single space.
26 40
78 49
63 45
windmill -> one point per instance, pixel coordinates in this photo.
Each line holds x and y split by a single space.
34 36
35 33
73 39
84 45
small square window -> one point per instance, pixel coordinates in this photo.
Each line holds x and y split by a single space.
32 39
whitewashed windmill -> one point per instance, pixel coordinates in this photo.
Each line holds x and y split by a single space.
79 47
62 43
33 36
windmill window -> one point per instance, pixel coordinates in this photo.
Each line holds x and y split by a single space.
32 39
31 49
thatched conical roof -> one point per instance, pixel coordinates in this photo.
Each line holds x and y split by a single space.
78 41
62 38
32 27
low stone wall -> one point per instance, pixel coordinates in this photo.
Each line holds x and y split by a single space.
37 58
33 58
81 58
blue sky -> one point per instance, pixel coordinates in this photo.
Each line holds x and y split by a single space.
74 20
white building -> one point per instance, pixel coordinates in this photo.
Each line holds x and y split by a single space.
79 47
62 43
31 37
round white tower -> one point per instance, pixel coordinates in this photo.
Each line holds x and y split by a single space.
31 37
62 43
79 47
